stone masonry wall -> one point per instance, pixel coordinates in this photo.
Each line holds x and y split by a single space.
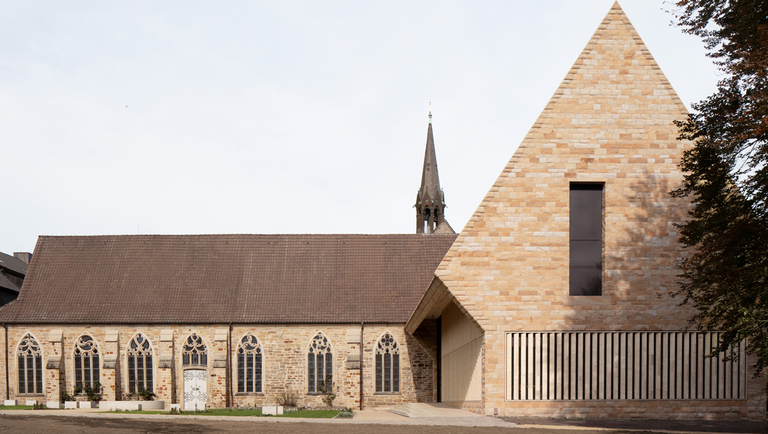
285 362
610 122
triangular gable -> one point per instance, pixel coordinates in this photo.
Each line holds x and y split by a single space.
610 120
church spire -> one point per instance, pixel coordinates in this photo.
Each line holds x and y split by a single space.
430 202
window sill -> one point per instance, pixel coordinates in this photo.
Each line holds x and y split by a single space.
249 394
387 393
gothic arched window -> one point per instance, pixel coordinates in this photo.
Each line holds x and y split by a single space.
320 365
30 366
194 351
139 364
249 365
387 365
86 361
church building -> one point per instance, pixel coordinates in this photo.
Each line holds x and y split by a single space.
552 301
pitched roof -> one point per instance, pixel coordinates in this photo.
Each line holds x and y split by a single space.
227 278
13 264
611 121
7 284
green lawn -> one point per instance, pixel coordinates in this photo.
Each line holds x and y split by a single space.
15 407
310 414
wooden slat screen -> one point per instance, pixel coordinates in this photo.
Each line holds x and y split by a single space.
621 365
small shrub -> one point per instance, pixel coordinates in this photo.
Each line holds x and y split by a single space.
328 394
64 396
346 413
288 398
146 395
93 391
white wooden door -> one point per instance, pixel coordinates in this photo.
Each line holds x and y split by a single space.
195 386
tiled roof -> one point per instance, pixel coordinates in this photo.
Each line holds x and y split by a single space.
13 264
227 278
7 284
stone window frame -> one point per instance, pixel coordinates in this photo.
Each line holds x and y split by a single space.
379 380
311 367
38 379
257 350
87 354
197 348
148 363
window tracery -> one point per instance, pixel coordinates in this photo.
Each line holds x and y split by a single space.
249 365
194 351
139 364
86 361
30 365
387 365
320 365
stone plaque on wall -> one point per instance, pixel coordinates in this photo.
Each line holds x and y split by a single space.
353 361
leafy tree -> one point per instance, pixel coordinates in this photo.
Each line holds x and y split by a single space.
726 176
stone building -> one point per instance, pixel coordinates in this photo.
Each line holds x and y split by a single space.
552 301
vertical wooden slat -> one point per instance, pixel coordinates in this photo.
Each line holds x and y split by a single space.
552 358
513 365
516 363
742 370
602 370
559 366
658 364
579 359
510 366
728 379
708 368
573 365
686 365
665 359
623 366
539 366
680 355
639 365
529 371
615 381
596 372
650 358
700 367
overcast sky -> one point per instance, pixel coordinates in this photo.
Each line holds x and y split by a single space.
280 117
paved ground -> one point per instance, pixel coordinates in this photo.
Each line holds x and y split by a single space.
427 420
708 426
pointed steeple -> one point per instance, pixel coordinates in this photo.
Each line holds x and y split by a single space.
430 202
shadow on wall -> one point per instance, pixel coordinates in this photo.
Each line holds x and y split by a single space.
422 353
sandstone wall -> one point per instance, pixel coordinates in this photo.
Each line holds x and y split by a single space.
284 362
610 122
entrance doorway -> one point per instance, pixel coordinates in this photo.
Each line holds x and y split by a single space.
195 387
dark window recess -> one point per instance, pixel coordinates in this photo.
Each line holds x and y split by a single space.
586 239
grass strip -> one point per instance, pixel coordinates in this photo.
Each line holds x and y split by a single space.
308 414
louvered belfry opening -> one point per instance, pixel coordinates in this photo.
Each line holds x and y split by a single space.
635 365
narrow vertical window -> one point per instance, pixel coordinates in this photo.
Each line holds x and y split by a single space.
139 364
586 239
30 366
319 365
86 361
249 360
387 365
194 352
